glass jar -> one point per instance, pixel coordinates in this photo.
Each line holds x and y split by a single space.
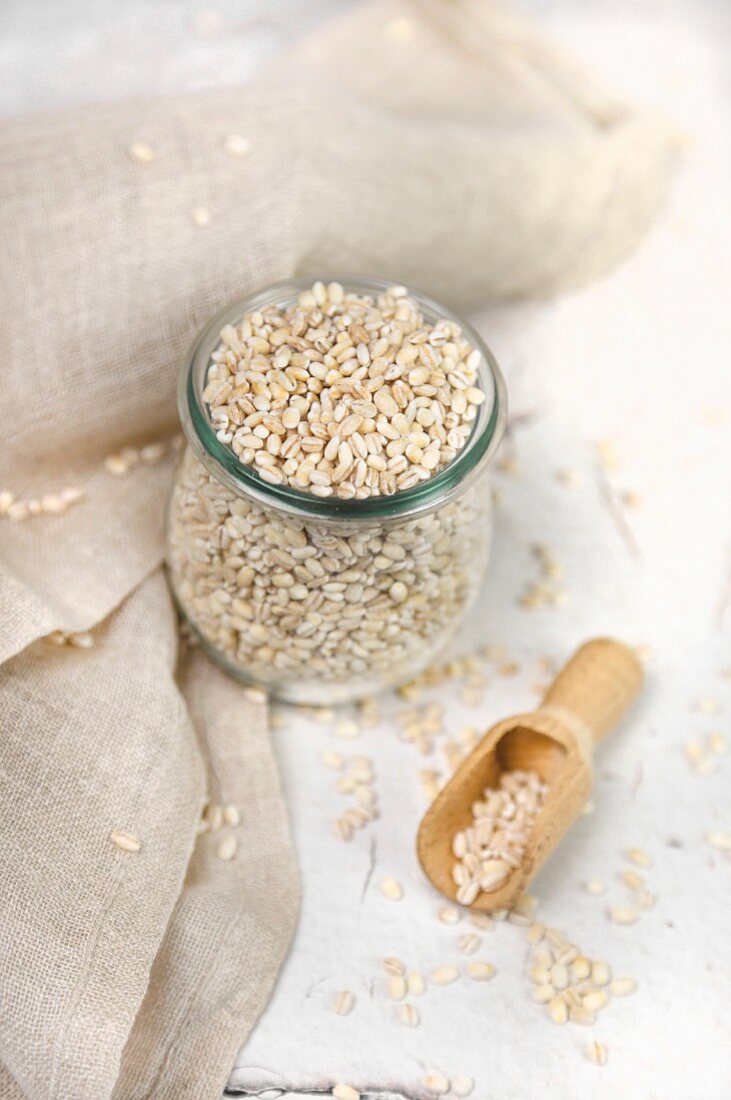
317 599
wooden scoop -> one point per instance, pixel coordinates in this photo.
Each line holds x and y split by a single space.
584 702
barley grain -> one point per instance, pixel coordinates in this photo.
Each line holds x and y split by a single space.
536 933
231 816
213 815
416 985
227 848
444 975
347 729
462 1085
361 773
448 915
595 1000
719 840
436 1084
408 1015
622 987
397 988
623 914
345 1092
581 1015
558 1010
52 505
581 968
125 841
542 956
343 828
526 904
200 215
600 973
344 1003
639 857
596 1052
480 971
152 453
467 892
141 152
567 954
469 944
542 994
116 465
483 921
559 976
237 146
695 753
392 889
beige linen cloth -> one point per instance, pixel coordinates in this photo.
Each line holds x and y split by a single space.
443 144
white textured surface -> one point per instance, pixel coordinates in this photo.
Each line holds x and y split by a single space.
641 359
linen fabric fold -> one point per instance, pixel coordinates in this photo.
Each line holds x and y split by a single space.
446 145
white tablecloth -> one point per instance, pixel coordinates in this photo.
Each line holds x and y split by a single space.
639 365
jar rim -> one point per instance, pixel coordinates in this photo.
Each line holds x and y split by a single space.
422 498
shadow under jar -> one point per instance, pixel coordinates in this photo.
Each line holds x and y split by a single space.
323 600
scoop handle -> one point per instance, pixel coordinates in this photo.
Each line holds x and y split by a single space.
597 685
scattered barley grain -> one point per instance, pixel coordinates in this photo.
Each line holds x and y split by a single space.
227 848
344 1003
392 889
437 1084
462 1085
596 1052
623 914
127 842
345 1092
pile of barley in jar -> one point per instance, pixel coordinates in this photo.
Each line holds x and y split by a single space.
346 396
337 394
